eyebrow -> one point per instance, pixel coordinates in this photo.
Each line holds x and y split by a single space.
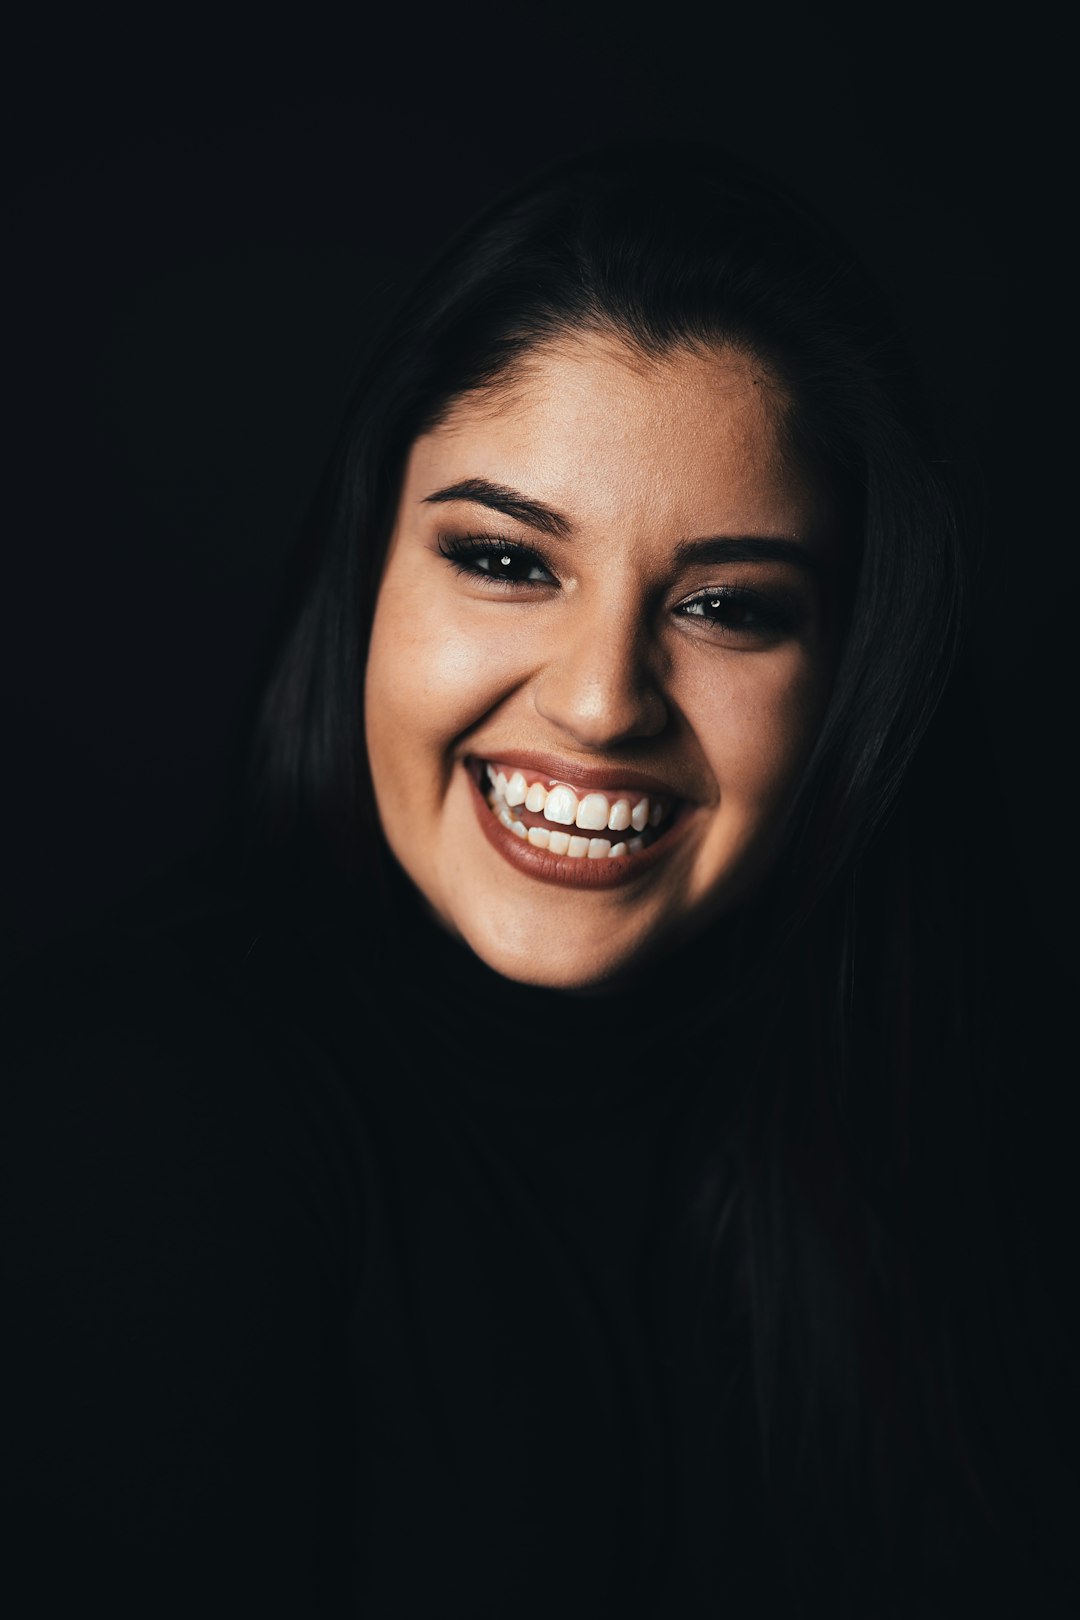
714 549
722 548
507 501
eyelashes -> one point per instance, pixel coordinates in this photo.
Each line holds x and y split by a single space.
733 608
501 561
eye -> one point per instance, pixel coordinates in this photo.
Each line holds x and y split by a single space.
734 608
505 561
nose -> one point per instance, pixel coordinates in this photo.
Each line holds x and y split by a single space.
600 686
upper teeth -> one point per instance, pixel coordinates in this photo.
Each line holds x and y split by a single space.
559 804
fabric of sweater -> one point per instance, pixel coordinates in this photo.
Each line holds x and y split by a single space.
353 1280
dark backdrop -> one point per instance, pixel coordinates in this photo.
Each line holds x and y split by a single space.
208 219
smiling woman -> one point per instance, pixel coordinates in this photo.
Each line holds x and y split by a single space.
570 1181
607 609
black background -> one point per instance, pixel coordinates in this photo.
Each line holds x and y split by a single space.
205 221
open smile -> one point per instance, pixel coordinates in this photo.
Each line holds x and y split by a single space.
572 832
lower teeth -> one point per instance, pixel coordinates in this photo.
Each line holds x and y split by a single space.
562 843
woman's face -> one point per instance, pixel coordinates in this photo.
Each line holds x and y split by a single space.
602 649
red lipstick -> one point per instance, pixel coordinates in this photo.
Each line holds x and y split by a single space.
581 873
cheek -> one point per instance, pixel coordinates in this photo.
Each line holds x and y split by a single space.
432 674
757 721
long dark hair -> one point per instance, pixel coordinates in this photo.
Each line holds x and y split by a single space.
845 1207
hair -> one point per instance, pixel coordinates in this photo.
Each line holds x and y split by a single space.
666 246
848 1207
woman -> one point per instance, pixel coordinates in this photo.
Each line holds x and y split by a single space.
574 1192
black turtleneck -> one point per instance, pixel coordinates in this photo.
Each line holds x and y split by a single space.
343 1277
347 1277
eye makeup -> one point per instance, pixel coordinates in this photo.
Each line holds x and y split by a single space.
500 561
741 608
745 609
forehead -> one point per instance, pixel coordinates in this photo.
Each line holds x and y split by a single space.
605 433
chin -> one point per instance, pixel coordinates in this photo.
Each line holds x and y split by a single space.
558 974
532 956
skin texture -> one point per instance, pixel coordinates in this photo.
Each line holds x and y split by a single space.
597 660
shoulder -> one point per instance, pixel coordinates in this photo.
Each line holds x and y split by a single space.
197 976
181 1249
164 1062
90 1009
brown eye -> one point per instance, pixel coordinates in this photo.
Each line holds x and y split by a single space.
496 560
508 565
737 609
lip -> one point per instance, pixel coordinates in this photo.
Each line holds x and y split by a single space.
589 778
563 869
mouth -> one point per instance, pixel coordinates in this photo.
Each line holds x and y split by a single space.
570 831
